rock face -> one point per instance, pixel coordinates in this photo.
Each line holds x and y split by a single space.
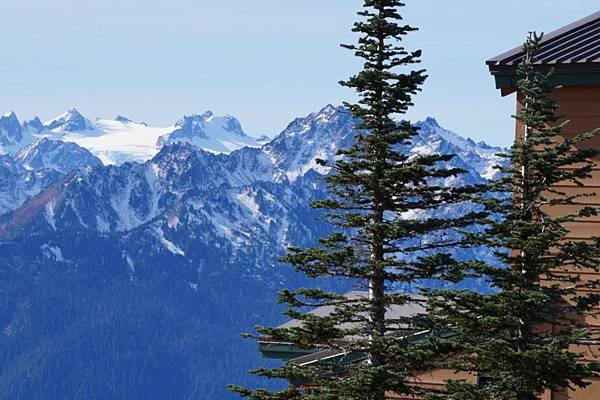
11 131
143 275
34 125
125 120
37 167
317 135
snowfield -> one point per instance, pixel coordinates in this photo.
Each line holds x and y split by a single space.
115 142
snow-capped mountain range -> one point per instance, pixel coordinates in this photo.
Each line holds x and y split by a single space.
115 141
166 227
73 142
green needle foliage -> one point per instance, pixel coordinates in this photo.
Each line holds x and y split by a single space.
382 208
520 341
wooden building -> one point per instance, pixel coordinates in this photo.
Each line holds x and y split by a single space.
573 52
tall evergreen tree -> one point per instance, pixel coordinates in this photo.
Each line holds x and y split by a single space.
520 341
382 207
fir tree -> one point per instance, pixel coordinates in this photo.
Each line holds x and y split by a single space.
374 185
520 340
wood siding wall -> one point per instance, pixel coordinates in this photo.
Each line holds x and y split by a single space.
581 106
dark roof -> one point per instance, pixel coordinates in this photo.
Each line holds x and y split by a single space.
396 311
289 352
573 51
576 43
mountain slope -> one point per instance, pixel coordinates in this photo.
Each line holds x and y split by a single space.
46 154
36 167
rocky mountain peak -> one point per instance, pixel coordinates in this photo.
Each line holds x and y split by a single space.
430 122
71 121
220 134
55 155
34 124
11 131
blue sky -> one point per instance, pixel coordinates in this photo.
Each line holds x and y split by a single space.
263 61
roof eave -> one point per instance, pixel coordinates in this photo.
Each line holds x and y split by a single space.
563 75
